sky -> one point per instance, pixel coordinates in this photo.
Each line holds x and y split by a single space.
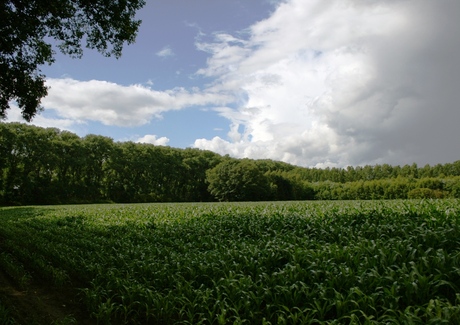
313 83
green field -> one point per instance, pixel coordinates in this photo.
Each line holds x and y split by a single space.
354 262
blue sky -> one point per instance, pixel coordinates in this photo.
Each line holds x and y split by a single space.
310 82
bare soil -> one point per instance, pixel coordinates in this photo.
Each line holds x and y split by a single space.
41 303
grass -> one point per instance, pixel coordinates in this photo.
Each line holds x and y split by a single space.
361 262
5 316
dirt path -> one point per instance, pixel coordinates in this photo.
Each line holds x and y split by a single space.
42 304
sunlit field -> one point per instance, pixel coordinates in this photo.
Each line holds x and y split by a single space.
353 262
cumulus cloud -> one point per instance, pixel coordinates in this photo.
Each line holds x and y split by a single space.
342 82
152 139
114 104
14 115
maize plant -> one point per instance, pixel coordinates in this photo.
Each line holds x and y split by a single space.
345 262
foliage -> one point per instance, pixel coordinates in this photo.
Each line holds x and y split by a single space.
26 27
237 180
5 316
50 166
424 193
348 262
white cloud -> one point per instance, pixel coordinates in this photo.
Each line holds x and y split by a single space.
165 52
152 139
342 82
14 115
113 104
318 83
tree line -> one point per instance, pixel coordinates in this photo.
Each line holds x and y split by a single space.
51 166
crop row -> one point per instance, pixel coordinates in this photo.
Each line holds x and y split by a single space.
254 263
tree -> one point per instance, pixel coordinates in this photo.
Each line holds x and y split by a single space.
422 193
26 27
238 180
98 151
195 163
70 158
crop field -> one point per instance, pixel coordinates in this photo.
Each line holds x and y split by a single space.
355 262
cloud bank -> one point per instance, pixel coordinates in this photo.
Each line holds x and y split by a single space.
72 103
342 82
114 104
317 83
14 115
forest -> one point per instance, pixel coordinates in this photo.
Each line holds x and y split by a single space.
51 166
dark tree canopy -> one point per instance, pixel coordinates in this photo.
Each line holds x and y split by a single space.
50 166
238 180
27 26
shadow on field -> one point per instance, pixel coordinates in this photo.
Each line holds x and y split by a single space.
16 213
